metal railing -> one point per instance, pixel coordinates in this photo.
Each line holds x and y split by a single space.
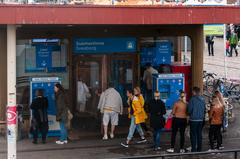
163 156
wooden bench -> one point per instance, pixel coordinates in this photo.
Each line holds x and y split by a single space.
3 127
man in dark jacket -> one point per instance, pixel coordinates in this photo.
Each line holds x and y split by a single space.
210 42
39 108
196 111
157 109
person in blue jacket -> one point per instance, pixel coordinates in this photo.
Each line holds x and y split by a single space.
196 110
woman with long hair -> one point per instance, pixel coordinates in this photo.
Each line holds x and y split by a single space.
136 115
215 119
138 94
62 113
179 122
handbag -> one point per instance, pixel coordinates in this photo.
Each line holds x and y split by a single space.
168 124
70 115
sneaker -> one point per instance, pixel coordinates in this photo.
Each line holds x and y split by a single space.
171 150
143 140
211 150
60 142
65 141
125 145
111 136
105 137
221 148
189 149
182 151
157 148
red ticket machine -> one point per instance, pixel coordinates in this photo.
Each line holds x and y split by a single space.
186 70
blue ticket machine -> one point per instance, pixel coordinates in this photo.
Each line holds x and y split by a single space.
169 86
47 85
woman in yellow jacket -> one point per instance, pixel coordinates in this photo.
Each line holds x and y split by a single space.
137 115
137 93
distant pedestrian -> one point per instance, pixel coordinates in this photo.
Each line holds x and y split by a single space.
137 116
179 122
137 93
196 110
110 105
228 48
215 119
233 43
157 109
210 42
62 113
39 108
147 79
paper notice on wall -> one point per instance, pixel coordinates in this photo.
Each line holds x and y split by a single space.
30 58
56 59
129 75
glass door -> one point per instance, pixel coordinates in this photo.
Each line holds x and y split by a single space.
88 84
123 73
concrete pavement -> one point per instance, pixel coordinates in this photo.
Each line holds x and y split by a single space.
95 148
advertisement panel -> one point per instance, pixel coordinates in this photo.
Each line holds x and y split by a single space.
47 85
214 29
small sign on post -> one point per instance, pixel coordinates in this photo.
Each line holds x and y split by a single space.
11 131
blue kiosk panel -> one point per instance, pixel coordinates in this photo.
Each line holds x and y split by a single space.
169 86
47 85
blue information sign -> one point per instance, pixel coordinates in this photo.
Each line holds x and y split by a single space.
161 54
47 57
103 45
43 56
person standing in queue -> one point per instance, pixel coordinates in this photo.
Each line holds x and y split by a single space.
157 109
62 113
39 108
215 119
137 116
196 109
147 79
179 122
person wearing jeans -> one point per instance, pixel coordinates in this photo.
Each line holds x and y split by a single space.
179 122
157 109
63 131
196 135
62 113
196 110
132 129
137 116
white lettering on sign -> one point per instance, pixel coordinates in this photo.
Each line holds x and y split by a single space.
90 43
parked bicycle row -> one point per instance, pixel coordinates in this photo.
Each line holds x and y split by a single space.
228 87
